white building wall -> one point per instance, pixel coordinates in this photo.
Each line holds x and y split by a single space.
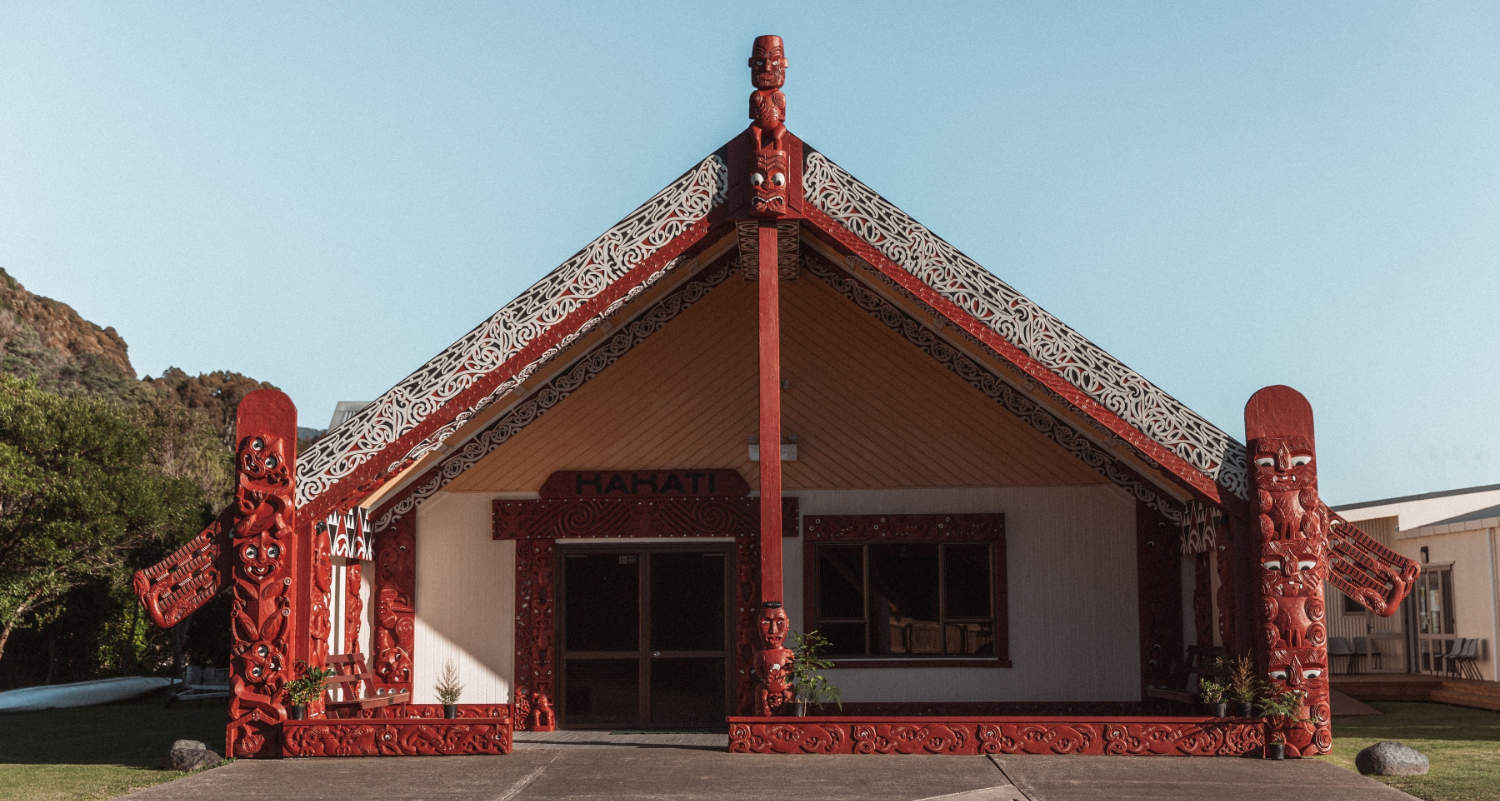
1071 595
465 600
1474 554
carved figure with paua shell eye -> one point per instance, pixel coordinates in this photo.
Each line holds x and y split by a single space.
263 459
1286 484
260 662
768 184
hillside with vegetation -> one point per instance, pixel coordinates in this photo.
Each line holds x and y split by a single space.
101 473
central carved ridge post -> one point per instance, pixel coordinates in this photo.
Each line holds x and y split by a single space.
770 174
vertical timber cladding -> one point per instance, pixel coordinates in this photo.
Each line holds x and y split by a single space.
263 560
621 505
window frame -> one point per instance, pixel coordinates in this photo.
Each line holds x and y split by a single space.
910 529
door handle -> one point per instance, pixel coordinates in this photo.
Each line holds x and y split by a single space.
656 654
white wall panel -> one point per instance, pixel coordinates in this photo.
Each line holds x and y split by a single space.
1071 595
465 604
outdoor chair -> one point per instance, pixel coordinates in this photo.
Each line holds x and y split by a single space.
351 679
1448 660
1365 647
1337 647
1465 663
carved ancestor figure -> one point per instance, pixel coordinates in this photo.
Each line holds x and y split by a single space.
767 104
1286 488
773 662
542 718
1294 556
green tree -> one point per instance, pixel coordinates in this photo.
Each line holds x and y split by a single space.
79 492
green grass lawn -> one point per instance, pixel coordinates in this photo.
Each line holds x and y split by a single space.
99 752
1462 745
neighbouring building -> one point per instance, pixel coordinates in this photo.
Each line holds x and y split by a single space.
1456 601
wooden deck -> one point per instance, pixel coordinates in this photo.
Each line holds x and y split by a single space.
1419 687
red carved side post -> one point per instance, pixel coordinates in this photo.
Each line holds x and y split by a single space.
395 608
262 564
1294 556
319 624
353 606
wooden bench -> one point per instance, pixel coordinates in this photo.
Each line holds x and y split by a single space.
352 679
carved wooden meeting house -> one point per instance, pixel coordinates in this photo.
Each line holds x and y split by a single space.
1008 537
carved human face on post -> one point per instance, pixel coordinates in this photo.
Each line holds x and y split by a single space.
260 661
263 460
1294 567
773 625
767 63
1284 464
769 183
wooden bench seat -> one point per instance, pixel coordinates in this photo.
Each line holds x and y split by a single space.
351 671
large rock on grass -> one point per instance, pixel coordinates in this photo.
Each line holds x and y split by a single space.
1391 759
190 755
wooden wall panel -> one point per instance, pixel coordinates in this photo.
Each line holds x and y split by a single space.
465 601
869 409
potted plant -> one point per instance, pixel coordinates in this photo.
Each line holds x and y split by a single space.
448 689
306 688
1244 686
1212 693
809 686
1282 711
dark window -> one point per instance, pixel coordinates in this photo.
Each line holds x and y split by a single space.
907 599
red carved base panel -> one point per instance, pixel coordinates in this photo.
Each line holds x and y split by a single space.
1132 736
403 711
395 737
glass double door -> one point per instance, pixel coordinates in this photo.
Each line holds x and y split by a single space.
1433 597
645 636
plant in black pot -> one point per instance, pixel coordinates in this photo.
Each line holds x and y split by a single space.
1244 686
1282 712
306 688
448 690
1212 693
809 685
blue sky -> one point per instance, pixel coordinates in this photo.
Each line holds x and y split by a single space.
323 196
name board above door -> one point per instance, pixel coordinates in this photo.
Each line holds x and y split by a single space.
645 484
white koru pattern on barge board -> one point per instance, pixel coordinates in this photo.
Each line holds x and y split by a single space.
496 341
1021 322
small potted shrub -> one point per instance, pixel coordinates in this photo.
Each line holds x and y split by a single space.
1212 693
1244 686
448 690
1282 712
809 685
306 688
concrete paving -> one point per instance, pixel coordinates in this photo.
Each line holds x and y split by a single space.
687 767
